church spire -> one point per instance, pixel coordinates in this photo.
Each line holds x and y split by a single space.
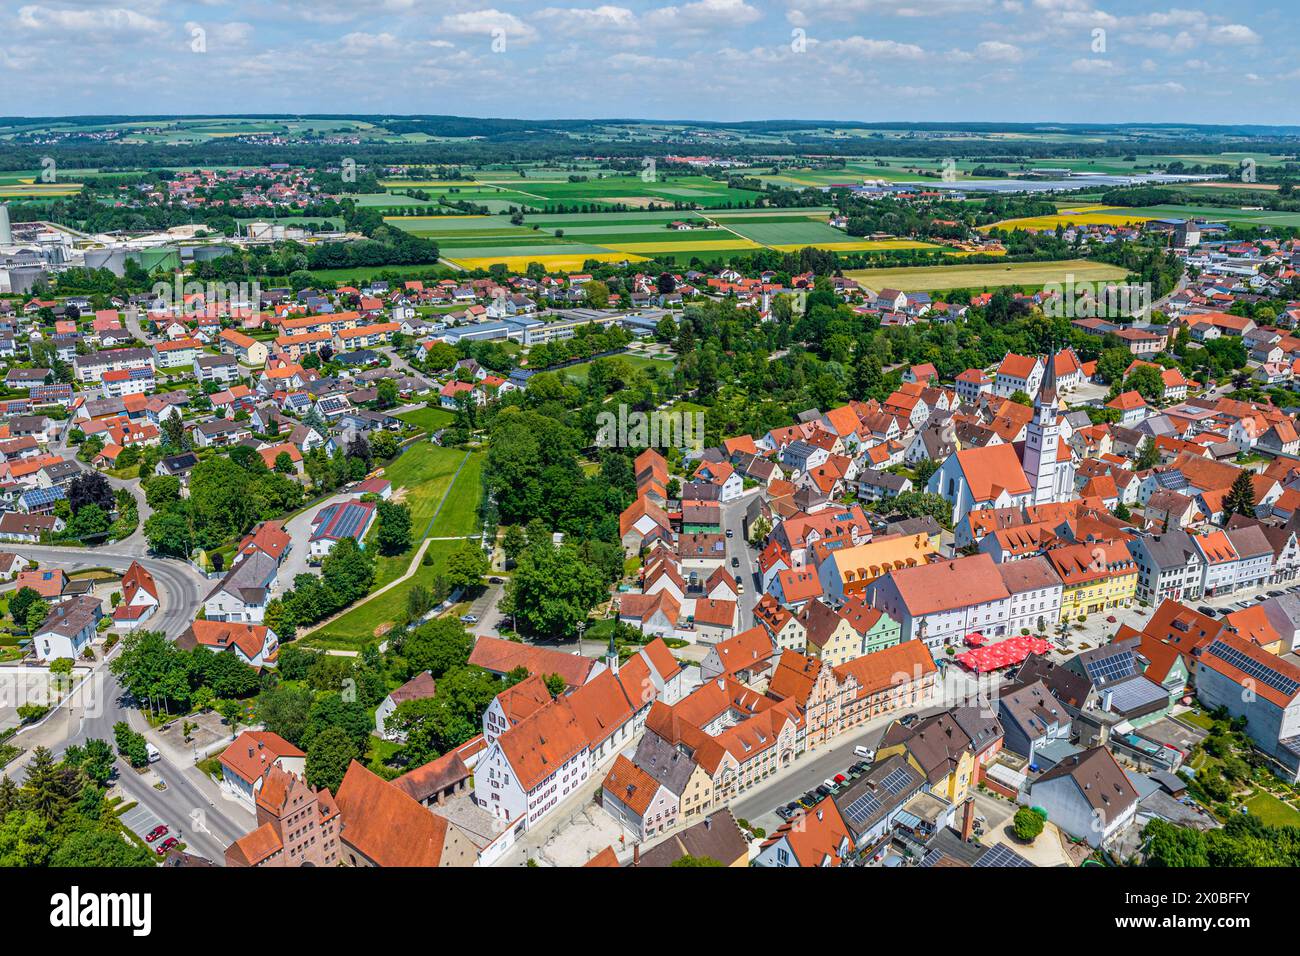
1047 391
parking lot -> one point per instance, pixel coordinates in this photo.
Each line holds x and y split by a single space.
142 821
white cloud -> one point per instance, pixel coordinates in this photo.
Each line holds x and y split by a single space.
1167 87
1233 34
849 9
874 49
1091 67
703 15
76 26
999 52
593 18
488 23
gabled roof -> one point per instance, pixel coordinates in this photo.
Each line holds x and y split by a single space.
502 656
1273 678
542 742
1101 781
385 824
891 667
631 785
252 752
991 470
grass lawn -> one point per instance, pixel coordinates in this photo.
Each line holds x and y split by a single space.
985 275
578 373
459 514
1272 810
357 628
429 419
1204 721
421 476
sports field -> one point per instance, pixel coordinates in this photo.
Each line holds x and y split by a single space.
985 275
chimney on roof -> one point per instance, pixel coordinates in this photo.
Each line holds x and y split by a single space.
968 819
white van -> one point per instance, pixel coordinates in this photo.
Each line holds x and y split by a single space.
152 751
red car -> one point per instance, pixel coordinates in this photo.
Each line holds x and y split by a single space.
156 832
167 845
840 778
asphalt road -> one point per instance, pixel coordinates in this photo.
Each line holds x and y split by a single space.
181 588
733 516
188 797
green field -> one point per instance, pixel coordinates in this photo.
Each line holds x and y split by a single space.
566 241
578 373
1227 214
1273 811
420 477
985 275
429 419
357 627
457 518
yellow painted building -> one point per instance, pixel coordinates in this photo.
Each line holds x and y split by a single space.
1095 577
939 751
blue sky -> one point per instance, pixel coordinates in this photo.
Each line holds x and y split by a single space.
1010 60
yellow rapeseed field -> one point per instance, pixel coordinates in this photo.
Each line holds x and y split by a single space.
1084 216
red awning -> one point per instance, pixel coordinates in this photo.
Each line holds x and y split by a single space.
1006 653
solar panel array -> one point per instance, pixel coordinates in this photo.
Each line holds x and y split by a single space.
1254 669
863 808
1000 855
896 781
1110 668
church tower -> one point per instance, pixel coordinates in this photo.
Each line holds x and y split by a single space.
1043 439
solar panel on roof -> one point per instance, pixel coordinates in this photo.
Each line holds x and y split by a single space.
863 808
1111 668
896 780
1001 855
1255 669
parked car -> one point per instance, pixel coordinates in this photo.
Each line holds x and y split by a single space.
909 719
735 562
823 791
156 832
783 813
1274 593
808 800
1207 611
496 580
862 766
840 778
865 752
731 532
469 619
166 845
